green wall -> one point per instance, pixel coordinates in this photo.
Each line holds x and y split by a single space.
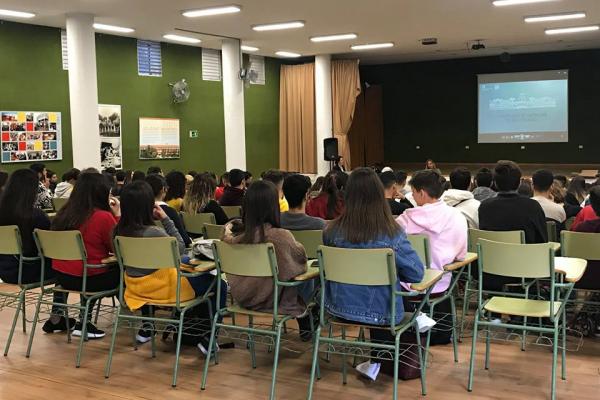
32 79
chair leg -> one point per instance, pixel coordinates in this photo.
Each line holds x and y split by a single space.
329 335
24 311
487 347
84 332
14 323
34 324
422 362
251 341
563 368
524 337
361 337
454 328
112 345
99 303
465 305
428 339
554 356
315 363
344 367
312 329
473 346
396 361
210 347
275 361
178 348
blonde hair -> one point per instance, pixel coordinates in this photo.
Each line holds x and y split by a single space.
200 192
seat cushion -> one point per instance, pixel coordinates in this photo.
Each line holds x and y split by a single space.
521 307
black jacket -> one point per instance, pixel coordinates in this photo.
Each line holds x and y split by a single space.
174 216
510 211
232 196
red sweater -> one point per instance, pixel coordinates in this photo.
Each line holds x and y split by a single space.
586 214
97 237
317 207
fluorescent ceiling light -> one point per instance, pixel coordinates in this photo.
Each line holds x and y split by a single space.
278 26
288 54
574 29
16 14
329 38
112 28
183 39
372 46
499 3
249 48
554 17
205 12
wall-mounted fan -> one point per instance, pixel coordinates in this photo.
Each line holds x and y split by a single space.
248 76
180 91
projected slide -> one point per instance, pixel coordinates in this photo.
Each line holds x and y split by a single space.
524 107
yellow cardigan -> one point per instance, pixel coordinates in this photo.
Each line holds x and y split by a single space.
160 287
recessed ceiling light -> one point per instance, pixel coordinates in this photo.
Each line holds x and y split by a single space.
205 12
16 14
112 28
249 48
183 39
330 38
554 17
372 46
278 26
288 54
574 29
499 3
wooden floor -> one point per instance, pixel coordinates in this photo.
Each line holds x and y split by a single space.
50 373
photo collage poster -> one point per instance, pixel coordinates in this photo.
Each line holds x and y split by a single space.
30 136
109 126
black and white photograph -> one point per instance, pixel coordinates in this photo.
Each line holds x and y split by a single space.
110 153
109 126
10 146
34 155
49 155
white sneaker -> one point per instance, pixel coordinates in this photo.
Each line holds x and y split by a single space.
496 321
369 369
425 323
204 343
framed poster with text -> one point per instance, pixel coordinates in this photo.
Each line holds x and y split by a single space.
159 138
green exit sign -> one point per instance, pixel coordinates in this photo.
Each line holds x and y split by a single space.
193 134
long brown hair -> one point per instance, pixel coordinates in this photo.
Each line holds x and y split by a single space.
200 192
261 207
367 216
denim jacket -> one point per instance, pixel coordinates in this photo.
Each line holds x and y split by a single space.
371 304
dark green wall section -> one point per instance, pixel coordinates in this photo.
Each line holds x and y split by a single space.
434 105
31 78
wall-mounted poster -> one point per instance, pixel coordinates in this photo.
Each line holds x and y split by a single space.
109 125
30 136
159 138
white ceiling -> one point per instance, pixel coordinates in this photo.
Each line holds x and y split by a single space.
454 22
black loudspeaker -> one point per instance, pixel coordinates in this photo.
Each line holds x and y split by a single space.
331 149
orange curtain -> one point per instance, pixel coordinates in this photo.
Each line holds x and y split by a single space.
297 151
345 87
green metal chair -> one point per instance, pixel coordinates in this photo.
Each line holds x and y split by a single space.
10 245
66 245
211 231
525 261
515 237
551 230
420 244
152 253
232 211
58 203
311 240
347 266
194 223
251 260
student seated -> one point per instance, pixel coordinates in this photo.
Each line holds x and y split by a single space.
138 176
445 226
176 189
296 189
315 190
200 198
367 223
139 211
542 183
277 177
233 195
390 190
94 213
558 193
44 197
120 178
154 170
587 213
591 278
460 198
17 208
63 189
261 225
403 190
329 204
576 192
483 182
159 189
223 182
509 211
